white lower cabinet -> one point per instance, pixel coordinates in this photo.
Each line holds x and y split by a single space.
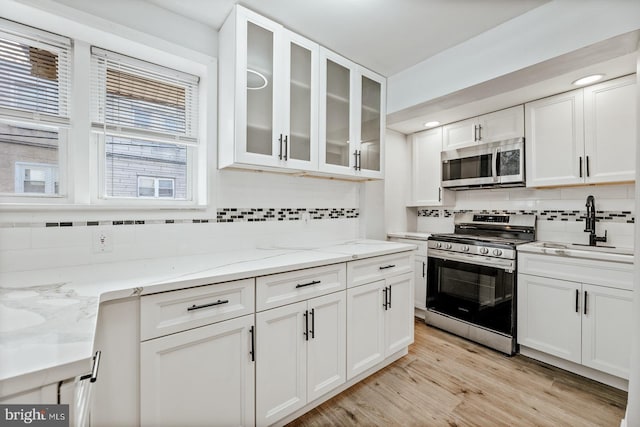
379 321
202 376
583 323
300 354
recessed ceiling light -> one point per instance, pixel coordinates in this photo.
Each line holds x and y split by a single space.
431 124
588 79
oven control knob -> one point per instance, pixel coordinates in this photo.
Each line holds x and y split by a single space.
438 245
497 252
465 248
447 246
484 251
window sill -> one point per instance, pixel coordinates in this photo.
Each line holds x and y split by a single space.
60 207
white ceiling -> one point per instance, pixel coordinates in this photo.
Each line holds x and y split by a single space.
386 36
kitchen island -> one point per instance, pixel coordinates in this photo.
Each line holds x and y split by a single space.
51 321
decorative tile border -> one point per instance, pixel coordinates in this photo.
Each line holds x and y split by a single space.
544 215
222 215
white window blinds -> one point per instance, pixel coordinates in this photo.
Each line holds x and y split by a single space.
135 98
35 74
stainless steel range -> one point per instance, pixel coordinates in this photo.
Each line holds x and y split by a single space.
471 280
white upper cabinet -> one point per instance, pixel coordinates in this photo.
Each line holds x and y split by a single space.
610 130
496 126
286 104
554 140
352 118
270 77
585 136
427 169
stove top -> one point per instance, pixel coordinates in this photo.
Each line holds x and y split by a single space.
486 235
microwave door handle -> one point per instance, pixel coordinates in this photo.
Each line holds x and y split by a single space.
494 166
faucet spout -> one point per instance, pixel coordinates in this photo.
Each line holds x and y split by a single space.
590 222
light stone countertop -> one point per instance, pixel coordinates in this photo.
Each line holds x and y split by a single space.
573 250
48 318
412 235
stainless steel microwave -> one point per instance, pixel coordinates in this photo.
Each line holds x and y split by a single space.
496 164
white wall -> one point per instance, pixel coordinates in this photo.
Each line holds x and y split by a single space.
25 242
548 31
633 407
617 198
397 183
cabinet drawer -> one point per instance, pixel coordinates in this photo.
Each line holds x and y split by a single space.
170 312
371 269
611 274
286 288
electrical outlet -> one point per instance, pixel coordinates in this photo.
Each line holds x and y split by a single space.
102 241
306 217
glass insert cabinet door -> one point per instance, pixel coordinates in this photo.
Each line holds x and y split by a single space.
338 114
370 124
260 89
281 96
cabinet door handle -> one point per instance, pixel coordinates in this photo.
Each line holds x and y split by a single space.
302 285
577 298
280 141
588 173
580 165
585 302
93 375
439 194
384 267
384 293
479 132
424 267
475 133
389 296
313 323
306 325
359 160
198 307
286 147
253 345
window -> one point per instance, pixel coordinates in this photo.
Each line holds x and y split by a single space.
149 186
34 109
36 178
145 118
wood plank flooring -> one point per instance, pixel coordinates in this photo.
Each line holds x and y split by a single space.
449 381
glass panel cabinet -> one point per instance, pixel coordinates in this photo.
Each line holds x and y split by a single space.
286 104
268 95
352 122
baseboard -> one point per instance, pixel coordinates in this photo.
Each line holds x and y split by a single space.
610 380
419 313
309 406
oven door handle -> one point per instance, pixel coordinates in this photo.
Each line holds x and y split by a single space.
508 265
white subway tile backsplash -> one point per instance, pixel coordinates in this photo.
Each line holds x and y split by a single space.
15 238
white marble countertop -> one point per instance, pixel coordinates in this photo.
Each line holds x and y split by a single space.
412 235
48 317
601 253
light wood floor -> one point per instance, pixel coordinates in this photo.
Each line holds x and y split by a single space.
449 381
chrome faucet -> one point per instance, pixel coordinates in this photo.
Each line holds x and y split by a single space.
590 222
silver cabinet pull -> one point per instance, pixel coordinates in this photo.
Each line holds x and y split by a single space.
384 267
198 307
93 376
302 285
280 141
588 173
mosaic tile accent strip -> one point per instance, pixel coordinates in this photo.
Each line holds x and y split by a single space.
544 215
223 215
283 214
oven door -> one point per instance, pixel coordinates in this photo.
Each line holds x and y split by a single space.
482 294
